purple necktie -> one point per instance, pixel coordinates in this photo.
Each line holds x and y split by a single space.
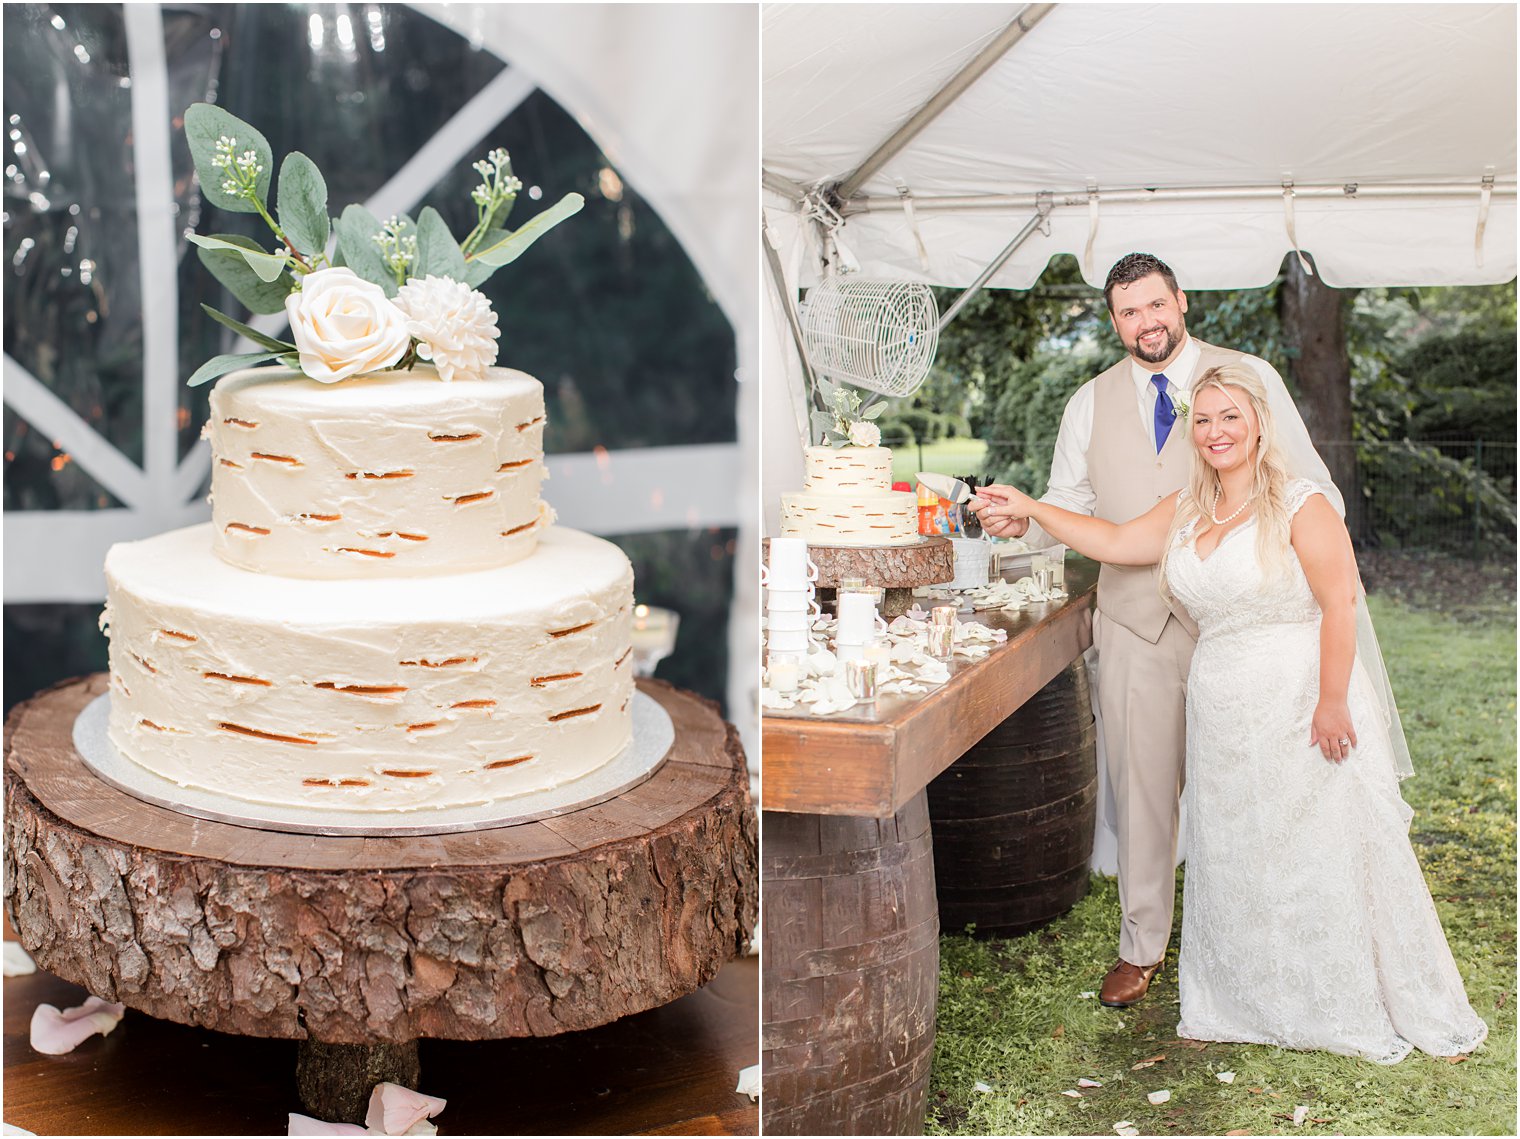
1166 414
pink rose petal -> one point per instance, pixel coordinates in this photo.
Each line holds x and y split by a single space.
54 1033
394 1110
306 1125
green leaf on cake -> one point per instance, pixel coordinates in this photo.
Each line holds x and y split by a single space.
205 123
874 412
476 273
356 242
438 253
253 334
266 266
228 262
221 365
303 204
509 248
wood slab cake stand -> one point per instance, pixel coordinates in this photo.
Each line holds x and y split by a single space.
896 569
359 946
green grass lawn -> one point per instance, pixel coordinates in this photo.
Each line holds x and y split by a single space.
946 457
1010 1014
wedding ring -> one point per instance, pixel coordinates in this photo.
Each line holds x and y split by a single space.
1345 743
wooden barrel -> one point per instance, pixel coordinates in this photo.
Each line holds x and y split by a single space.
850 961
1014 816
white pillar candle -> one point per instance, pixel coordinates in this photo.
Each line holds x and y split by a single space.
857 619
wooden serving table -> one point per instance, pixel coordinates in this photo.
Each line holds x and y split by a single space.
873 759
850 925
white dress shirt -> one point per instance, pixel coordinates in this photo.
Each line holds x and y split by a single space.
1070 486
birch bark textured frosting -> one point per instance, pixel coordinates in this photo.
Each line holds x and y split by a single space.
369 695
390 475
847 500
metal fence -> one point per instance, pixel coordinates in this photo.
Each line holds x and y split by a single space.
1454 496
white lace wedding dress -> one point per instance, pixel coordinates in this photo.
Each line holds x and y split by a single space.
1306 921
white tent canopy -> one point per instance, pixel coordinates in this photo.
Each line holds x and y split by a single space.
1168 127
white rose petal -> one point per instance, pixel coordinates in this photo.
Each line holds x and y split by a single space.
455 323
1300 1113
344 326
1160 1097
1084 1082
1225 1077
18 962
54 1033
981 1087
394 1110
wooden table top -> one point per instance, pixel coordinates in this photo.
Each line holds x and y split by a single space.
869 761
671 1070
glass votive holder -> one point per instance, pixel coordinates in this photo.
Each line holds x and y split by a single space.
942 615
942 641
860 678
879 653
1057 567
785 672
851 584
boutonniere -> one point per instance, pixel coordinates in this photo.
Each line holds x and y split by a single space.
1180 406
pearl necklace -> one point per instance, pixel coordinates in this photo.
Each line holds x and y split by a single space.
1218 521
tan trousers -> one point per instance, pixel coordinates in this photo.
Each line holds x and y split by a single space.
1141 692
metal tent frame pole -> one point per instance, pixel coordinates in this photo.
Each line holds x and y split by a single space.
1042 212
1027 18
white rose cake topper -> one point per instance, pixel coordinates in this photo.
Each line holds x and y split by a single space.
388 295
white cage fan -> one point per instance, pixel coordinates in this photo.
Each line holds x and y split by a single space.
875 334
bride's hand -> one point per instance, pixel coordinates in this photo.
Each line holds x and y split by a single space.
1002 510
1331 730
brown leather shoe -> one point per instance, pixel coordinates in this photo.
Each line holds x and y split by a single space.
1127 984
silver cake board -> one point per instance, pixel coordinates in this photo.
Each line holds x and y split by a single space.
653 735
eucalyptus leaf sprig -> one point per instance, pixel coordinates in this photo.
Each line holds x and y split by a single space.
234 161
846 418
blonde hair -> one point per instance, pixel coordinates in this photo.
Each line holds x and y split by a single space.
1269 476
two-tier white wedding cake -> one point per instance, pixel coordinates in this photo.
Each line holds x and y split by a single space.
847 500
380 615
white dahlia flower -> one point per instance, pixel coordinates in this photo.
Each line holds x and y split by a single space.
454 323
863 434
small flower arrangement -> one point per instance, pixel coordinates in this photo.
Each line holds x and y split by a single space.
391 293
1182 408
844 423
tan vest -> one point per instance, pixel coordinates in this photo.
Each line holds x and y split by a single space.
1129 478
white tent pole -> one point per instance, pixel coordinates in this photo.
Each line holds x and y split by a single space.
1028 17
1351 191
780 184
788 305
1042 212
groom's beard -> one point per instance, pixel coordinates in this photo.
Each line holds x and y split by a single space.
1168 346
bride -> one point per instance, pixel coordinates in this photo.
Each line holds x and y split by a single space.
1306 922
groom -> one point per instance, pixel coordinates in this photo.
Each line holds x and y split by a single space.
1118 453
